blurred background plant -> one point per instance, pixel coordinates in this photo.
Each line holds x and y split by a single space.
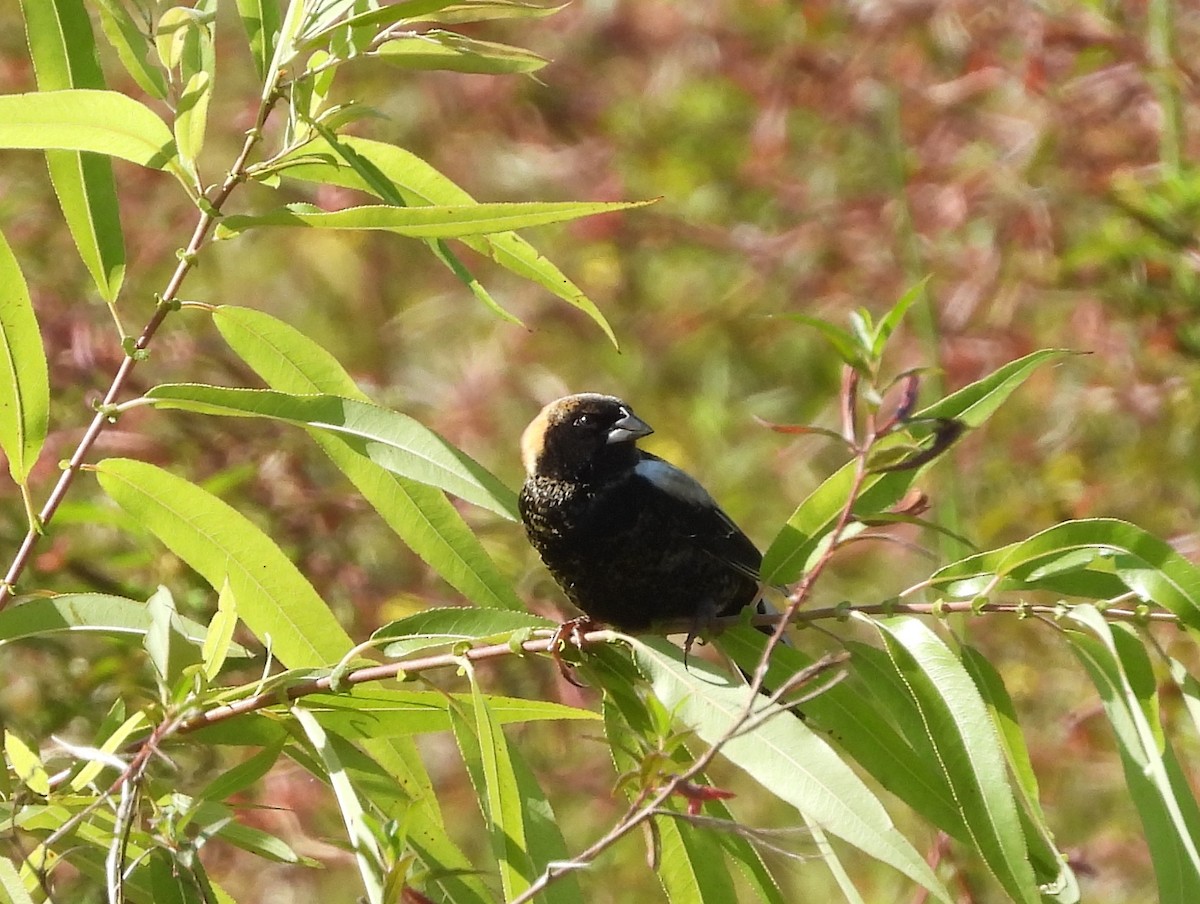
1034 162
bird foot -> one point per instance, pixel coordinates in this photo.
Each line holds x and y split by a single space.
701 622
572 632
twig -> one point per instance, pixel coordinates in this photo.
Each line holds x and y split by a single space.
542 645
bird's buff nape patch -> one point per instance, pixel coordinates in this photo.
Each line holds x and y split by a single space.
533 440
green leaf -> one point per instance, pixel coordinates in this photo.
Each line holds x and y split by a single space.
1118 665
215 649
64 56
960 731
449 51
80 119
191 119
1051 866
483 10
113 742
692 865
366 849
371 713
486 756
132 47
425 222
26 764
421 516
892 319
974 404
88 612
847 346
11 887
243 775
400 177
171 32
24 377
783 755
390 439
262 21
439 627
169 651
212 819
1143 563
275 601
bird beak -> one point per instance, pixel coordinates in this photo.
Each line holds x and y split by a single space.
628 429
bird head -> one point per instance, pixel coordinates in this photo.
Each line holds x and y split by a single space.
583 434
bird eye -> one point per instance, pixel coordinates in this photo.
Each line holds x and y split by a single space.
585 420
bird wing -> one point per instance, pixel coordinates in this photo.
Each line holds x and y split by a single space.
714 531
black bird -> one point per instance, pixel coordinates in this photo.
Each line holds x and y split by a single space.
629 537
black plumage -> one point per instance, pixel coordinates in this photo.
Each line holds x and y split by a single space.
630 538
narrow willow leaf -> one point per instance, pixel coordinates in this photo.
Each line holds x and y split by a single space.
1189 689
88 612
26 764
64 56
169 651
483 10
398 176
11 887
834 864
895 314
1143 563
111 745
783 755
975 403
691 865
456 53
171 32
372 713
440 627
199 43
24 376
81 119
421 516
285 45
191 119
261 19
217 641
1051 866
132 47
1117 662
390 439
963 736
275 601
486 755
425 222
366 849
240 777
790 551
846 345
447 11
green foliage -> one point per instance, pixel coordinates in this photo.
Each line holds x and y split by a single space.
220 640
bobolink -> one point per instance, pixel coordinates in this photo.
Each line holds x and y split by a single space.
630 538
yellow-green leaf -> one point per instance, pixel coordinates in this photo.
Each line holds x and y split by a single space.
24 380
